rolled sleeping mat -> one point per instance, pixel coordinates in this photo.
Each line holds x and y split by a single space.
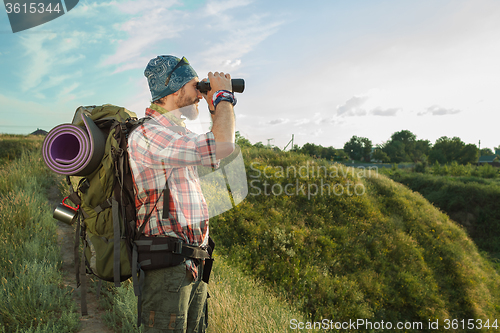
74 150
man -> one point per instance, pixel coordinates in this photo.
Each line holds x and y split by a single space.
162 151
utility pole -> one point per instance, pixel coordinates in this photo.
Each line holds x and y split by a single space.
291 141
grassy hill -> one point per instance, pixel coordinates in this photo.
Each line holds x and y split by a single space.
378 251
331 244
470 201
33 298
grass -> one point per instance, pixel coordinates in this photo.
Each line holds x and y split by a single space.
383 253
13 146
31 290
457 281
296 248
469 200
237 303
240 304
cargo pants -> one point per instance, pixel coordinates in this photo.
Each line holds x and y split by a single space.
173 302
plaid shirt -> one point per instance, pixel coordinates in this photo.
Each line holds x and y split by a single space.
158 153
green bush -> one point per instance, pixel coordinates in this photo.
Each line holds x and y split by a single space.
488 171
459 170
420 167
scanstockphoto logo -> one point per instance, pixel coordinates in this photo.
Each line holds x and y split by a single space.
308 180
24 15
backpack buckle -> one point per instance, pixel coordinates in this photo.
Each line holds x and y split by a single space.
123 128
178 247
83 185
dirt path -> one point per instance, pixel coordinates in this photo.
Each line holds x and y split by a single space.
93 322
66 234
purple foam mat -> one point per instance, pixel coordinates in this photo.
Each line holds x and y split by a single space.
74 150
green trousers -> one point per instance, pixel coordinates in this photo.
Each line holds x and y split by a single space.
173 302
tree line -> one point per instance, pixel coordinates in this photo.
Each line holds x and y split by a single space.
403 146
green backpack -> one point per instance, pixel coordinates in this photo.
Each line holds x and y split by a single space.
113 249
106 223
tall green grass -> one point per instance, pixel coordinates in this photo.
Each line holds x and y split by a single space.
470 201
377 251
237 304
33 298
382 254
12 146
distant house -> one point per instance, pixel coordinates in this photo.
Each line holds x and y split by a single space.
39 132
488 159
494 160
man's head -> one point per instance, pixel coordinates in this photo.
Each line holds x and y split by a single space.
172 82
167 74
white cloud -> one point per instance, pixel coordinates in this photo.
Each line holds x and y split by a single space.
41 60
437 110
301 122
353 107
56 80
363 105
278 121
225 36
218 7
86 10
231 63
143 32
241 36
47 56
390 112
443 54
68 89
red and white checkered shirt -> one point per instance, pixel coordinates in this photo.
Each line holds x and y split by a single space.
157 152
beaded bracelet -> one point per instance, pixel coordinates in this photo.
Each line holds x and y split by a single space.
223 95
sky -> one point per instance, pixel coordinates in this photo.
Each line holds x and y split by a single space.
321 71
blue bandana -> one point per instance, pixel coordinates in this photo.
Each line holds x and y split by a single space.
167 74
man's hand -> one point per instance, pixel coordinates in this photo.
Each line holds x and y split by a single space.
218 81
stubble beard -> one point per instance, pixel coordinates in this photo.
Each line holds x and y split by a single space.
188 107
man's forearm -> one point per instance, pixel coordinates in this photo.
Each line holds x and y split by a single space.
223 129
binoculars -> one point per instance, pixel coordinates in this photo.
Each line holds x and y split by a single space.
237 84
